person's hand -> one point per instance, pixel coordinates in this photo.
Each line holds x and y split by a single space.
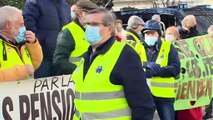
29 69
30 37
149 74
145 65
154 66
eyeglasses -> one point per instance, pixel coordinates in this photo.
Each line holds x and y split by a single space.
95 24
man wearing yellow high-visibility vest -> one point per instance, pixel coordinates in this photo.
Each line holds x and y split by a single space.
71 43
109 81
20 51
161 62
133 30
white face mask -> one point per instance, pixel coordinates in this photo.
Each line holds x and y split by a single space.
170 37
150 41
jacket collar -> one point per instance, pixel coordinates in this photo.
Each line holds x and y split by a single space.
4 38
133 32
104 47
78 23
7 41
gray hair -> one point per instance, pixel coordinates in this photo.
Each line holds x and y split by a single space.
109 18
134 21
156 17
8 13
184 21
188 19
210 29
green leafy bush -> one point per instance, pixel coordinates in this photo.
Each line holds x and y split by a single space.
17 3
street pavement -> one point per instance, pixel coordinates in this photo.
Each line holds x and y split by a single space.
156 116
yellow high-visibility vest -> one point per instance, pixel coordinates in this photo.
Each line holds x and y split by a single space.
131 42
160 87
81 45
10 56
96 98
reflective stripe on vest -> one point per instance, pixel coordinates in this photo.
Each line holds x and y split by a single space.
104 115
9 54
160 87
74 59
81 45
95 93
166 85
99 95
132 42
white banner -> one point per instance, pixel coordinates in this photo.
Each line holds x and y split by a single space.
41 99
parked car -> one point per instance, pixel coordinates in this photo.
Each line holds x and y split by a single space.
172 16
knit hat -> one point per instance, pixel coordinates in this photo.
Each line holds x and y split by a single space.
134 21
86 5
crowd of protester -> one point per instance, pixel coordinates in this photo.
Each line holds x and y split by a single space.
58 39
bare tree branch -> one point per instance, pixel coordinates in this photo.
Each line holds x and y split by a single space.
163 3
173 2
167 3
154 4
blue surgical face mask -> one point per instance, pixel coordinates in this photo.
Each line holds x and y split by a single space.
150 41
73 15
93 34
20 37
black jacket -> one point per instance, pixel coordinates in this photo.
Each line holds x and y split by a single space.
129 73
187 34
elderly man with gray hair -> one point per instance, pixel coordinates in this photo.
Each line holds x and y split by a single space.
20 53
188 28
133 30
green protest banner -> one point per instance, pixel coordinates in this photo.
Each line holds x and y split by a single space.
194 85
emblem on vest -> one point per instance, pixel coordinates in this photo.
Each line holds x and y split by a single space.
162 56
10 49
99 69
160 60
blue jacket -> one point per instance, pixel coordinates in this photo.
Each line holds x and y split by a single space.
173 68
46 19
